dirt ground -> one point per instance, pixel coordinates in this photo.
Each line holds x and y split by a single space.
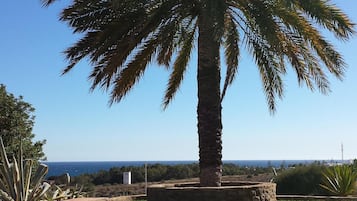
110 191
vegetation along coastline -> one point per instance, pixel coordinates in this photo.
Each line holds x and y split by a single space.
293 179
76 168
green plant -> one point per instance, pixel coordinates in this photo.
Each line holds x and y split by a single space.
17 181
339 180
16 124
63 191
301 180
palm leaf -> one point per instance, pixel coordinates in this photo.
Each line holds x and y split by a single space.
329 16
134 70
47 2
180 66
4 196
231 51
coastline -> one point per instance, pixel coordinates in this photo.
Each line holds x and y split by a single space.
76 168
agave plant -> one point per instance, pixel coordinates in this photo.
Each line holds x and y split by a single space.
58 193
63 191
18 181
339 180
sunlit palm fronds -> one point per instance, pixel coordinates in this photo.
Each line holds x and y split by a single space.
276 33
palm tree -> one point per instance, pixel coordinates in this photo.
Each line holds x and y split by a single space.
121 37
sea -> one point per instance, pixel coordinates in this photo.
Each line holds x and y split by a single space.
78 168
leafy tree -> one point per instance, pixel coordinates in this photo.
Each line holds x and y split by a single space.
16 123
121 37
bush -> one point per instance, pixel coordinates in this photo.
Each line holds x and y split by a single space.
302 180
159 172
16 123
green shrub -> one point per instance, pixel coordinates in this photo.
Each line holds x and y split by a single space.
302 180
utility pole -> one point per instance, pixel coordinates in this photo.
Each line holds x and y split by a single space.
342 152
146 179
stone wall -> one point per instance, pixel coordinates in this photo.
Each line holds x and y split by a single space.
229 191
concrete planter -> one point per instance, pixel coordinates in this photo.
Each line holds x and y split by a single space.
229 191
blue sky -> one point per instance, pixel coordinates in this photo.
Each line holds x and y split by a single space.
80 126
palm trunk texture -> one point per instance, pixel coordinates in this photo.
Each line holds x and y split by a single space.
209 104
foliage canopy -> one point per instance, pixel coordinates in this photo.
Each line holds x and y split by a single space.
16 123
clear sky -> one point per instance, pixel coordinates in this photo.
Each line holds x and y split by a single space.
80 126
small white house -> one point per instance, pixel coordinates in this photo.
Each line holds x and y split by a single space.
126 177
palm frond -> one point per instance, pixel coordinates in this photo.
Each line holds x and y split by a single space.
103 39
276 33
87 15
298 52
47 2
173 30
231 45
331 58
180 66
118 35
216 13
316 42
269 65
167 44
128 77
81 49
262 36
329 16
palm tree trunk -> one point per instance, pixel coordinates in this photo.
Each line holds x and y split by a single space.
209 103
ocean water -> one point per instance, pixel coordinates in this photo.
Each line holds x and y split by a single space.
78 168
